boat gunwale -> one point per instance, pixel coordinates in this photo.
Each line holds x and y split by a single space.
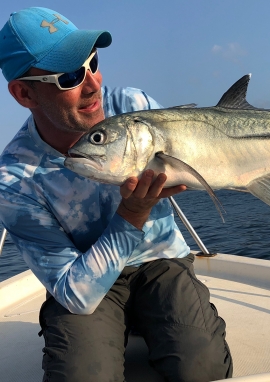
241 269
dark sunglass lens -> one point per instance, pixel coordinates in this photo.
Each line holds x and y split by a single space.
69 80
94 63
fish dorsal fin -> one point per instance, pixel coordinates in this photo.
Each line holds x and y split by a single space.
187 106
235 97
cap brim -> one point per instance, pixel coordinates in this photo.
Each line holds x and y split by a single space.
71 52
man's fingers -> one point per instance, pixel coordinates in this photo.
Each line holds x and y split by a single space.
145 188
143 185
166 192
157 186
128 187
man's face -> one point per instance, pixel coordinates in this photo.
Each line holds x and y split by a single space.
75 110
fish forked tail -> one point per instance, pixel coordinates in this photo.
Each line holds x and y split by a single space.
179 163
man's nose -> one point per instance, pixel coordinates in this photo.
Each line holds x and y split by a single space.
92 82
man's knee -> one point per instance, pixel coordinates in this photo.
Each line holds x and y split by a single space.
83 348
191 355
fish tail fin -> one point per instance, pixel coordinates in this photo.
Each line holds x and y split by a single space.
260 188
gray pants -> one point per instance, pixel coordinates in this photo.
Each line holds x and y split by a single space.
166 303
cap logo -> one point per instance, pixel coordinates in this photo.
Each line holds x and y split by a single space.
50 26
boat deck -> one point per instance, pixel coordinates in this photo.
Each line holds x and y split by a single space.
239 287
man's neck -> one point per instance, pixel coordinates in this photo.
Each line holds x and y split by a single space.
60 140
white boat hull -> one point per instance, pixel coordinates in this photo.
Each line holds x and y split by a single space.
239 287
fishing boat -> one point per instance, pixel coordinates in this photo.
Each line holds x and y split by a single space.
239 287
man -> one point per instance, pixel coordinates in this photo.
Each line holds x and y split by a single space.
108 257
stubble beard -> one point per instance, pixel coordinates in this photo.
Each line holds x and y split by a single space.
70 123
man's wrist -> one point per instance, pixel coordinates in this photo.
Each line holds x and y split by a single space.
136 218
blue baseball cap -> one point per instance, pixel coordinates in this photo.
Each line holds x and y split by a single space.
42 38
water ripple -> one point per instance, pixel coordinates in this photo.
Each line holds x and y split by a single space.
246 231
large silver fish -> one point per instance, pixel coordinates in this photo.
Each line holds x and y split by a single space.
222 147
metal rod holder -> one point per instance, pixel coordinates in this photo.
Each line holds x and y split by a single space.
2 241
189 227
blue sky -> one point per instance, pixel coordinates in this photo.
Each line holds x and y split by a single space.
177 51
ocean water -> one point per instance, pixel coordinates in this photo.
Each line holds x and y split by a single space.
246 231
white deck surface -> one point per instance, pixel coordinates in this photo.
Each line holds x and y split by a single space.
244 305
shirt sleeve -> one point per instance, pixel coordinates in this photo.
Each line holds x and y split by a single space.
77 280
123 100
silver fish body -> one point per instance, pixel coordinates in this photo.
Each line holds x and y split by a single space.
222 147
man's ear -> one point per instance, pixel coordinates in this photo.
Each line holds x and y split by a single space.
23 93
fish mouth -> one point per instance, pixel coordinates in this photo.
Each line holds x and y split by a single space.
73 155
85 159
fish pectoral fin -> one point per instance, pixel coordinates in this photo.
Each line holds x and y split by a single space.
177 163
260 188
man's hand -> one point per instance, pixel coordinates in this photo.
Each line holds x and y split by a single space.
139 196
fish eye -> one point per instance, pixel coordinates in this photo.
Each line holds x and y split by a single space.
97 137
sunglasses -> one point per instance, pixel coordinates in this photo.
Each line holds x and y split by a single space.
67 81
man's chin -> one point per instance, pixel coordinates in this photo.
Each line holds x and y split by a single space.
90 121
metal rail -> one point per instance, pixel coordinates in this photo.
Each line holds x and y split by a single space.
2 241
189 227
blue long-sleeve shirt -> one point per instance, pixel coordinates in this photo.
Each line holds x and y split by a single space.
65 225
